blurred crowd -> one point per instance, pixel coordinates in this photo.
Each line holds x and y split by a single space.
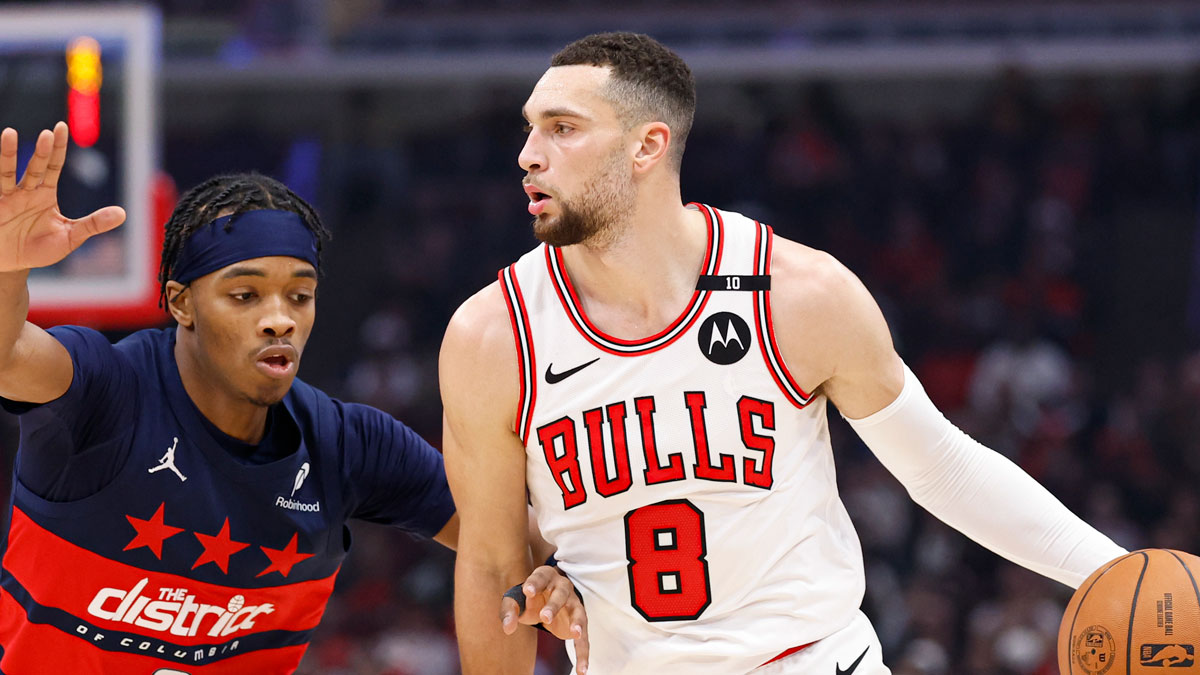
238 32
1033 255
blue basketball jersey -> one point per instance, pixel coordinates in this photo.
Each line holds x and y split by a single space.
188 559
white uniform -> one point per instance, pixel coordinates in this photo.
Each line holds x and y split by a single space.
686 480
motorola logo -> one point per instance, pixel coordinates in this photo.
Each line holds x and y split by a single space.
724 338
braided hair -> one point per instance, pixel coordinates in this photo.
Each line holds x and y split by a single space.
229 194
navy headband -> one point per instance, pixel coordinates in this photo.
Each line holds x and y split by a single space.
255 234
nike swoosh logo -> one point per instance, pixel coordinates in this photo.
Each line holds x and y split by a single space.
553 378
853 666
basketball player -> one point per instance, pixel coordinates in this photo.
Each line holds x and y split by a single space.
180 498
656 375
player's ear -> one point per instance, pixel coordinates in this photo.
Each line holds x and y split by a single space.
179 302
653 139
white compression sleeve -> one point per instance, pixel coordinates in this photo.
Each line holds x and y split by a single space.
979 492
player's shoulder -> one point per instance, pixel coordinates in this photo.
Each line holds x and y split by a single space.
331 425
481 320
823 316
478 366
147 341
803 277
140 350
479 337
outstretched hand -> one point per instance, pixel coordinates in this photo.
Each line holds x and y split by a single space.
550 600
33 232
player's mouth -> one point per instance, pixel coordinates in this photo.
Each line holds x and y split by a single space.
278 361
537 199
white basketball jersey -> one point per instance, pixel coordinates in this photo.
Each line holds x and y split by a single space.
686 480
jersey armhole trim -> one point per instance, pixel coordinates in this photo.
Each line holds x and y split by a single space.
765 328
523 339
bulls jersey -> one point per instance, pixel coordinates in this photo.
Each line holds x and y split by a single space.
685 478
186 559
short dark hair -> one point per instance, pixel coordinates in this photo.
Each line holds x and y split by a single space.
648 81
229 194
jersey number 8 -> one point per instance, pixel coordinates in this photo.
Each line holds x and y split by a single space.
668 575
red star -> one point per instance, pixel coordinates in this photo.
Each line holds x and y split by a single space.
283 560
151 533
218 549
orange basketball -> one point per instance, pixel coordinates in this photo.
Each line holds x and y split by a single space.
1136 615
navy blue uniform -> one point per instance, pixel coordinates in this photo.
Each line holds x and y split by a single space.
142 539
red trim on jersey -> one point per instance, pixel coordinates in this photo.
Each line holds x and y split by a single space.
40 561
710 213
517 342
758 232
686 319
767 344
788 652
526 359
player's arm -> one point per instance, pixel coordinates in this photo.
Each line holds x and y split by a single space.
550 599
485 465
34 367
538 546
828 321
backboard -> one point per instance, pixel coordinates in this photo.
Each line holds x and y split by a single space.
49 71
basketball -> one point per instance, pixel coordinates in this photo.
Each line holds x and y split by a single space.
1137 614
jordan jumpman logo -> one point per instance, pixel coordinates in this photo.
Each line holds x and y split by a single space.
168 461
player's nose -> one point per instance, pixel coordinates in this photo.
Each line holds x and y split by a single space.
532 158
276 320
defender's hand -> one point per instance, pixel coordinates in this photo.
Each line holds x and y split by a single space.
33 232
550 600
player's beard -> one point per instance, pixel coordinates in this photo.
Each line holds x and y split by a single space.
605 202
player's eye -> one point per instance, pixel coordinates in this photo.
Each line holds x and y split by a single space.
527 127
244 296
301 298
561 128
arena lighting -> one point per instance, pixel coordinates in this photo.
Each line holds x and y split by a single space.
84 75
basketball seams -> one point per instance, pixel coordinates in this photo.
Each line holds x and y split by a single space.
1133 611
1078 607
1187 569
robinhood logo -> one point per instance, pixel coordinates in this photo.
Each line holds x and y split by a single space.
294 505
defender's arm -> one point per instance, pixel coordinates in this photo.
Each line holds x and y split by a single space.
34 367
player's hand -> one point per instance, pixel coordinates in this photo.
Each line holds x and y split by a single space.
550 600
33 232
